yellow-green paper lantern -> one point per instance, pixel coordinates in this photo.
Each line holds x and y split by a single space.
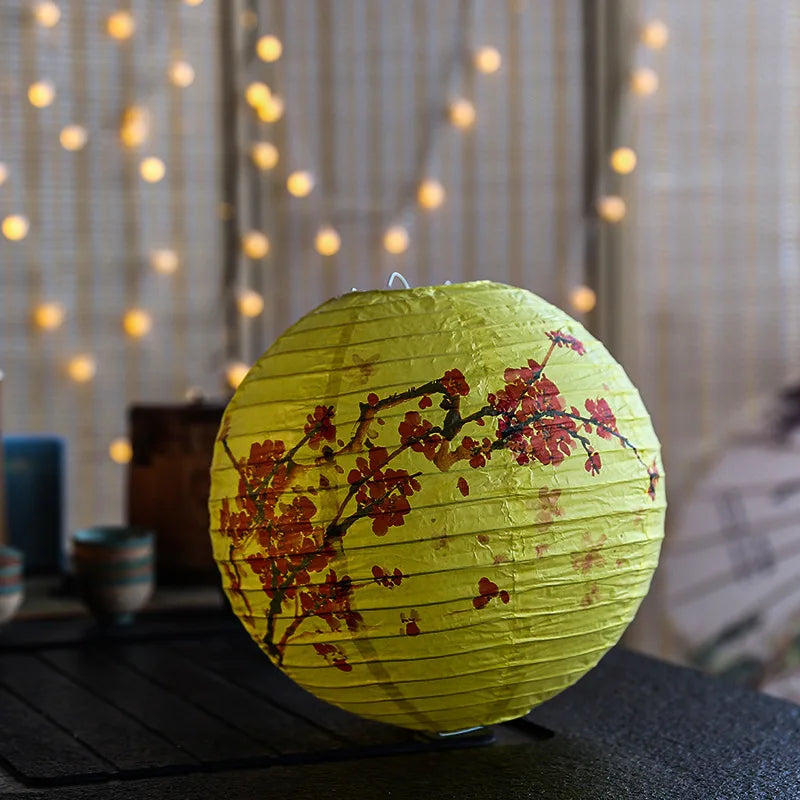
436 507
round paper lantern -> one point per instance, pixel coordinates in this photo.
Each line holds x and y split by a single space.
436 507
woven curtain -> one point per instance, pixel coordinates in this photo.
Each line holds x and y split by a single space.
366 86
711 276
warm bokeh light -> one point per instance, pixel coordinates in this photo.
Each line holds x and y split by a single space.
623 160
192 2
269 48
271 110
120 450
327 241
152 169
395 240
462 113
82 368
235 373
164 261
73 137
250 303
15 227
3 173
255 244
264 155
655 35
41 94
488 59
137 323
611 208
300 183
430 194
49 316
644 81
120 25
582 299
47 14
256 94
134 127
181 74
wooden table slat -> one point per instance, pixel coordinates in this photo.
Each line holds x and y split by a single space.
188 727
34 747
99 726
276 730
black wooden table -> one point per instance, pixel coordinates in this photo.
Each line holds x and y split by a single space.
187 706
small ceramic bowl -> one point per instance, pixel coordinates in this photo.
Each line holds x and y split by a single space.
11 585
114 570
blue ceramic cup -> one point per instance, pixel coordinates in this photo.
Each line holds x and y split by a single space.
114 570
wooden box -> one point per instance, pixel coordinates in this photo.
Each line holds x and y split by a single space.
168 485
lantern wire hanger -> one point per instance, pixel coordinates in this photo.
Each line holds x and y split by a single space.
397 276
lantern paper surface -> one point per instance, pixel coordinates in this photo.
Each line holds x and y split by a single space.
436 507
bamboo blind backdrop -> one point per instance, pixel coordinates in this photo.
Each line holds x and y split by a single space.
710 297
366 86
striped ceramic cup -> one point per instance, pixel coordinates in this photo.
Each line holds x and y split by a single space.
11 586
114 570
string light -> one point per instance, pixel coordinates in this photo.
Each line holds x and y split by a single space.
73 137
41 94
255 244
462 113
300 183
120 25
395 240
256 94
134 127
269 48
655 35
623 160
137 323
164 261
250 303
264 155
181 74
327 241
582 298
611 208
430 194
120 450
644 81
49 316
152 169
3 173
15 227
192 2
47 14
236 373
487 60
82 368
271 110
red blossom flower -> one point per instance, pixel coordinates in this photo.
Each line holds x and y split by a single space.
320 427
454 383
410 622
565 339
416 430
653 474
333 655
386 579
602 416
463 486
425 401
593 463
488 590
